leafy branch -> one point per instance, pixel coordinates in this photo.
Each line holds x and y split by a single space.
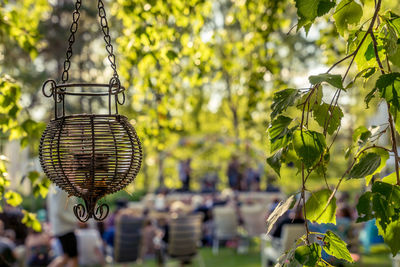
306 148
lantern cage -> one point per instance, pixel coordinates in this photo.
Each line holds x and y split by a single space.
89 155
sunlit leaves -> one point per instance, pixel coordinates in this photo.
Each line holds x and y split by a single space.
31 221
282 100
392 236
365 57
275 161
364 207
317 208
309 10
279 132
309 146
382 203
335 246
347 12
389 88
13 198
361 135
308 255
391 39
328 116
384 157
281 209
20 21
333 79
10 93
40 185
366 165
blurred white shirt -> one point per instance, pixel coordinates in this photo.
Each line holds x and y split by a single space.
89 247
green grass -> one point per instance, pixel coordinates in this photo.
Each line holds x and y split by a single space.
226 257
229 258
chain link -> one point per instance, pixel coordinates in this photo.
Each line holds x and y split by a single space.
73 29
107 38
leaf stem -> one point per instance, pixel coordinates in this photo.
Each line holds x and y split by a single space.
303 197
390 117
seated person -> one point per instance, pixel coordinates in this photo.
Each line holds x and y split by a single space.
38 249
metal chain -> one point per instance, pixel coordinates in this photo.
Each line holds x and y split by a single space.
73 29
107 38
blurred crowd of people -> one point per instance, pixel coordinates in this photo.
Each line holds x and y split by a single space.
65 242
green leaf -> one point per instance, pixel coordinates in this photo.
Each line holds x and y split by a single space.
385 204
382 211
369 96
281 209
171 55
317 209
392 236
364 207
279 133
384 157
390 179
389 88
333 79
33 176
282 100
313 100
31 221
308 255
390 192
308 10
366 165
363 59
361 135
309 146
395 57
13 198
347 12
336 247
275 161
325 113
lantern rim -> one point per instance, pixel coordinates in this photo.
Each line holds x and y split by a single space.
85 115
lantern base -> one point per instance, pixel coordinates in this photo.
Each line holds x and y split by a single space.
91 210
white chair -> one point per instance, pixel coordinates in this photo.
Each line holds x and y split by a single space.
254 219
396 261
225 225
290 233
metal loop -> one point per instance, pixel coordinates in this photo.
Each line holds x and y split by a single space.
107 39
81 212
52 88
76 16
101 212
67 64
65 76
123 99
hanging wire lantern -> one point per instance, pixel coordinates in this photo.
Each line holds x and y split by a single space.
89 155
